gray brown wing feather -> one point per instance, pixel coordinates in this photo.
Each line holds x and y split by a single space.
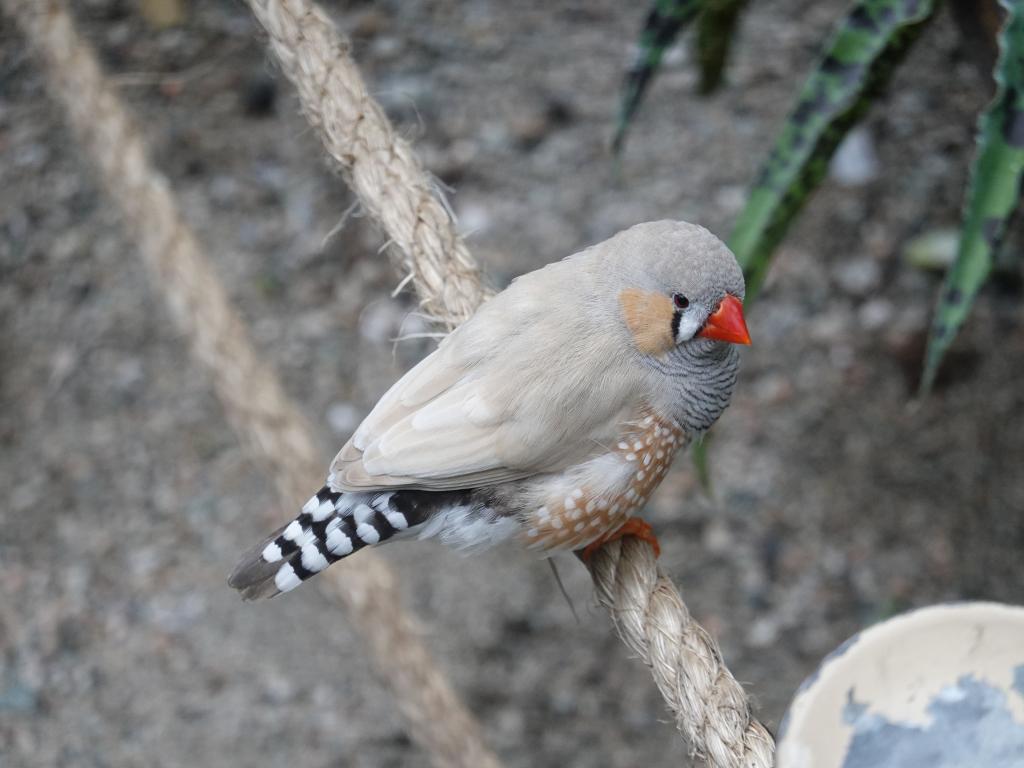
518 389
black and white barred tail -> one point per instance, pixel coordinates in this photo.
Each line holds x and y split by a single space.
331 526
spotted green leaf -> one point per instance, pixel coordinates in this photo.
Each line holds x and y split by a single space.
716 27
857 61
664 21
993 194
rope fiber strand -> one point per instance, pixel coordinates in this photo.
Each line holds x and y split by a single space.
709 705
378 164
252 396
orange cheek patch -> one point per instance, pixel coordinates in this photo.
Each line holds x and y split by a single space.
581 517
648 316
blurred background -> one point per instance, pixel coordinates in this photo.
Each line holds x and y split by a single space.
127 499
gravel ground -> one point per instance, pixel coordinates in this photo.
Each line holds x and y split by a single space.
127 497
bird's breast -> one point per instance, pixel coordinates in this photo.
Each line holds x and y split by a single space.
571 509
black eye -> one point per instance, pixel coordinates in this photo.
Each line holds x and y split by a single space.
680 301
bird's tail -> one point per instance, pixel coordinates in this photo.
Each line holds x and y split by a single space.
331 526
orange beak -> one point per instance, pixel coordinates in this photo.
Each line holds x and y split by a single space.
726 323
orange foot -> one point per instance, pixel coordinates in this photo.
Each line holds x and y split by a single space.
634 526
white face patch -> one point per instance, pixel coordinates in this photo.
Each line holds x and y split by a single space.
691 320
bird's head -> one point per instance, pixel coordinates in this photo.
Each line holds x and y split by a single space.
681 286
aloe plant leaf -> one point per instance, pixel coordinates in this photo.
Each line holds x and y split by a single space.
716 28
858 59
664 21
701 464
993 194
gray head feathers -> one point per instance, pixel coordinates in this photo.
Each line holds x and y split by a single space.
671 257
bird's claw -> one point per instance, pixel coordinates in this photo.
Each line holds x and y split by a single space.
634 526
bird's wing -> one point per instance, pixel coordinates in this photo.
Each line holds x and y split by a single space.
432 426
490 405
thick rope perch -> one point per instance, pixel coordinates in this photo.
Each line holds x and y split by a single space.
710 707
378 164
250 392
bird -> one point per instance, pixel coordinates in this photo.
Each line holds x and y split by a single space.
545 420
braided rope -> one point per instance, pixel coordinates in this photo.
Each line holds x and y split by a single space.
378 164
710 707
251 393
